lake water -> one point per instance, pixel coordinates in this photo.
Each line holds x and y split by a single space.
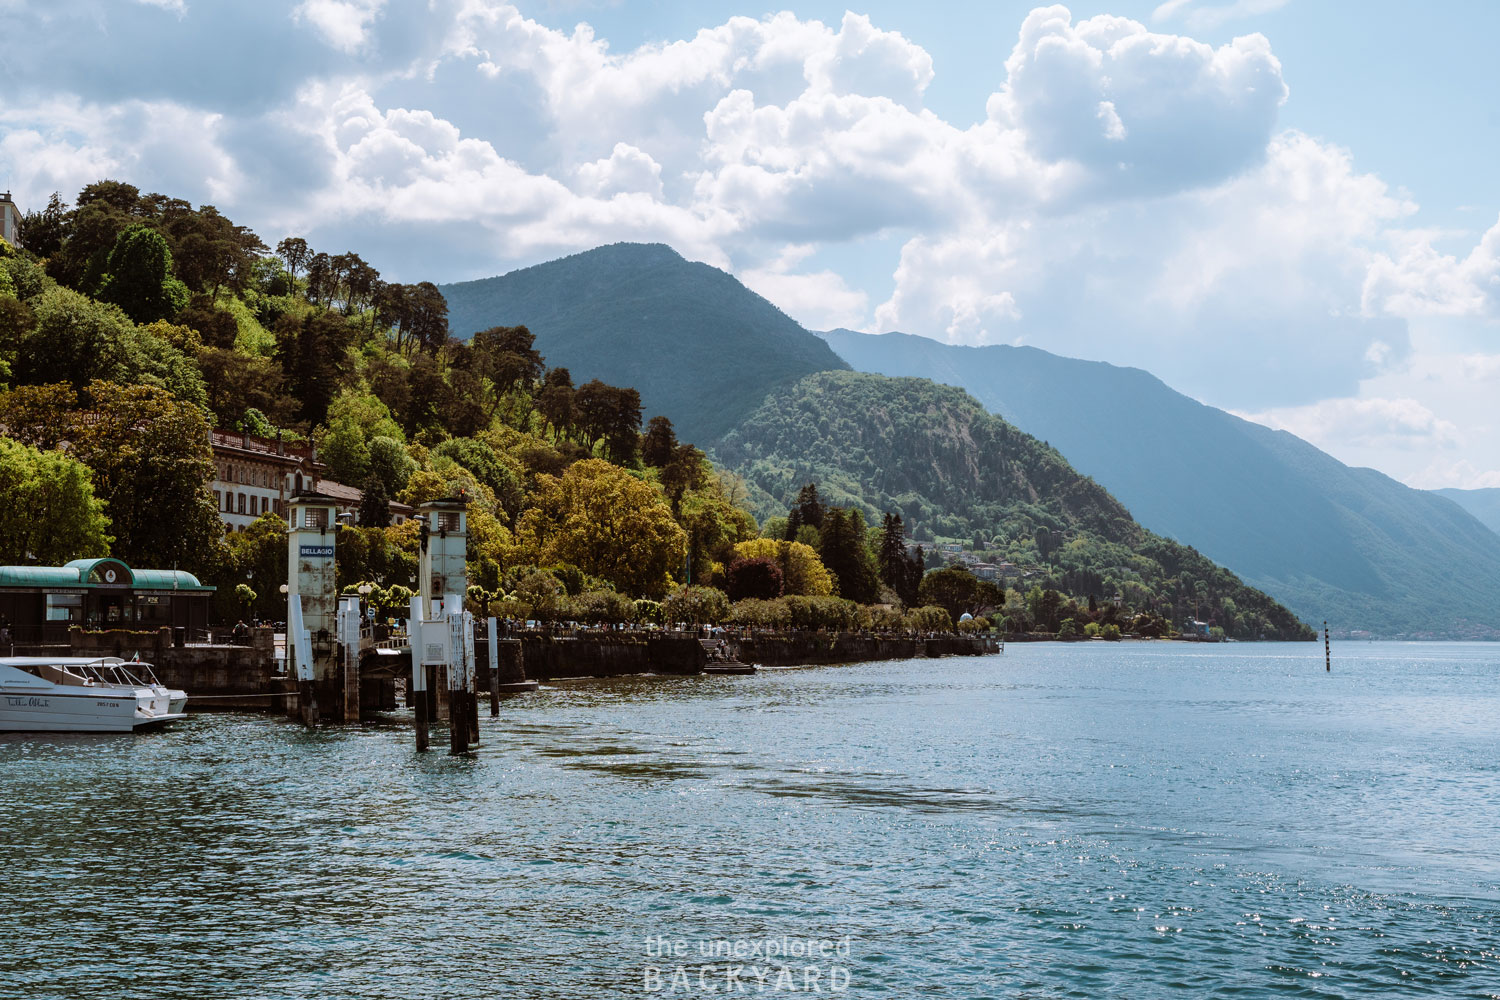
1091 820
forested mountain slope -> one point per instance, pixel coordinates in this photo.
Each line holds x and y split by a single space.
1348 545
934 455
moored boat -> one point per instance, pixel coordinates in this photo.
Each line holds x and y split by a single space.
82 695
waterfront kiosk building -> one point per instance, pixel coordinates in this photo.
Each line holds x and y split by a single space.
41 603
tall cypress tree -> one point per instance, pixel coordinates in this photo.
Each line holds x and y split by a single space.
843 551
810 506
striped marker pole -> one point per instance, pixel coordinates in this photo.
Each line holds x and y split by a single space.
1327 651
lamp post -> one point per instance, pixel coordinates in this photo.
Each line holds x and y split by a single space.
364 597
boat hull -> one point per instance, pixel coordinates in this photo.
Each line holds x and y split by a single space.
78 695
54 712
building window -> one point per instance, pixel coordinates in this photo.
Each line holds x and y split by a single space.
218 501
65 607
315 517
447 520
265 504
242 503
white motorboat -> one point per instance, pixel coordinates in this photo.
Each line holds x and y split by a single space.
63 694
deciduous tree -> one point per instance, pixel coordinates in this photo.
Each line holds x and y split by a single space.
608 523
48 511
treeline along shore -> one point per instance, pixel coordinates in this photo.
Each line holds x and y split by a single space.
139 332
245 673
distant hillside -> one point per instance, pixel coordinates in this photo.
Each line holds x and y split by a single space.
1483 504
1349 545
932 454
699 346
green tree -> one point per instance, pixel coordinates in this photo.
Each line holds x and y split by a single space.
375 504
151 464
487 467
390 463
42 233
843 551
802 572
104 210
608 523
556 401
312 351
139 276
659 442
236 383
930 618
696 606
506 357
72 339
714 526
959 592
809 507
48 511
295 252
256 558
245 594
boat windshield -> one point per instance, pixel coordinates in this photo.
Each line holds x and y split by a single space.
110 671
116 672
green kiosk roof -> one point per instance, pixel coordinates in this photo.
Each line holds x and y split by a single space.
98 573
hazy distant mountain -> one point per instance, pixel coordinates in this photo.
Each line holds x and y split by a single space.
1484 504
932 454
698 345
1349 545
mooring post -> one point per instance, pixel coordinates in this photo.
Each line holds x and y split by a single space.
417 696
1327 651
471 680
494 669
349 620
458 715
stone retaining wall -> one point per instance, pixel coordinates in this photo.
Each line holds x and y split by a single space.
851 647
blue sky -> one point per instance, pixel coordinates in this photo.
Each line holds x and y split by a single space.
1282 207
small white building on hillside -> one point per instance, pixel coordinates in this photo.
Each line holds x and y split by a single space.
10 219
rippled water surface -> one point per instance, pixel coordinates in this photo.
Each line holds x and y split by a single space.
1059 821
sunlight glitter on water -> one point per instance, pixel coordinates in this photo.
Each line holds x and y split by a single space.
1070 820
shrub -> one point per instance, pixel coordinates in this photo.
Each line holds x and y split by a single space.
1111 633
696 606
753 578
930 618
1092 629
757 613
603 607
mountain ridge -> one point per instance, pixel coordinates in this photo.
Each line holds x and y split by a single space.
640 314
1349 545
1483 503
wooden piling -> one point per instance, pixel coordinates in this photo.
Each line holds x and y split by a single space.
419 713
307 700
1327 651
